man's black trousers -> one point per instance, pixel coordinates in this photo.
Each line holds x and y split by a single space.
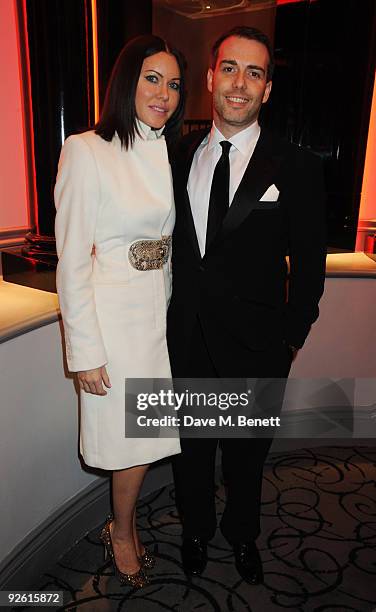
242 458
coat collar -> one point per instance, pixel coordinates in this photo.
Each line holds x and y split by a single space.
195 139
146 132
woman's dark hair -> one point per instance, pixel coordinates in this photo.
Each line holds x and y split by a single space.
250 34
119 109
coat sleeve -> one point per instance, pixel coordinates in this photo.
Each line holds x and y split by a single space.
307 245
77 200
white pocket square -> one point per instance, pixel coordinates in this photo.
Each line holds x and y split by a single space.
270 195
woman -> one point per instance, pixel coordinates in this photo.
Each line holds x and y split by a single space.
115 216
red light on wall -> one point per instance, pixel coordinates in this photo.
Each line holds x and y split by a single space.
28 126
17 173
95 58
368 199
279 2
367 208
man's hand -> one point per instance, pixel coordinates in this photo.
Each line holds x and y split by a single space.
92 381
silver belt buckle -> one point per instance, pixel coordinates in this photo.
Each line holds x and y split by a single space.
149 254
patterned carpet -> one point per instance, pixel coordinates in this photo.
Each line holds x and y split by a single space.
318 546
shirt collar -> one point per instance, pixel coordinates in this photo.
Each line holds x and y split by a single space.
242 141
148 133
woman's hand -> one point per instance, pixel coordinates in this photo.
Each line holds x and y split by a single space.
92 381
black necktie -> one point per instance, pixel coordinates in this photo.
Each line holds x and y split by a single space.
219 194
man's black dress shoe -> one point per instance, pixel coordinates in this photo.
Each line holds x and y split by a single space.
194 555
248 562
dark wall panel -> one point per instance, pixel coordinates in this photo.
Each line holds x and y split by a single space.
118 21
322 94
62 89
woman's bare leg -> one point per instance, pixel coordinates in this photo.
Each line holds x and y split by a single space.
126 486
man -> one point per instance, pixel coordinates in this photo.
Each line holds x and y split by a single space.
244 200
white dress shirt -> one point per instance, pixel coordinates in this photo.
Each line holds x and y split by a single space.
202 170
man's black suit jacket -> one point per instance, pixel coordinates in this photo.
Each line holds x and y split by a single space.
239 289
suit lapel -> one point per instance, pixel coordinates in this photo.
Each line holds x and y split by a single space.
191 230
257 177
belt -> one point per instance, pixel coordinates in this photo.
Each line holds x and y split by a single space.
150 254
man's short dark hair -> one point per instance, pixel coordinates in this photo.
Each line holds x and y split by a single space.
119 109
250 34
